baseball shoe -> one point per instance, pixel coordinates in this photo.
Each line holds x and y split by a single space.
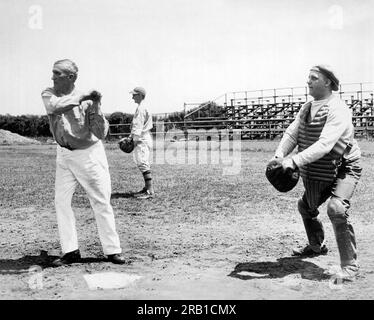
146 195
116 258
67 258
308 251
135 194
342 274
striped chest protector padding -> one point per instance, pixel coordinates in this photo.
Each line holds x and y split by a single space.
325 168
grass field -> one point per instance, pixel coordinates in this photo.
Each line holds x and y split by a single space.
206 234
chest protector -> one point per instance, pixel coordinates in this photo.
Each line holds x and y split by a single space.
325 168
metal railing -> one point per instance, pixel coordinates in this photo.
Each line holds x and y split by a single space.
250 128
291 95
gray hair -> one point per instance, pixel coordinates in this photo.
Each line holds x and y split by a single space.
67 65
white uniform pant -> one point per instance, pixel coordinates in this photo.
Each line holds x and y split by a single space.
142 153
89 168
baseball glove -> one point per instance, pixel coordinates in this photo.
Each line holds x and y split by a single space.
282 180
126 144
94 96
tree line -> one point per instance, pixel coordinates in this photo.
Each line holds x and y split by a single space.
38 126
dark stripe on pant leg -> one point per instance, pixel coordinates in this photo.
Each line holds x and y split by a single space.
147 176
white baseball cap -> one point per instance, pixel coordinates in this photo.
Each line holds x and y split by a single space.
138 90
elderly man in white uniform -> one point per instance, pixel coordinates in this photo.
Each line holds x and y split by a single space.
78 128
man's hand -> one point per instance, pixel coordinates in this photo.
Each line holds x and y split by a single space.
93 95
135 138
275 158
288 163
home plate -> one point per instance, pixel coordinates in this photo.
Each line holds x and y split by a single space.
109 280
251 274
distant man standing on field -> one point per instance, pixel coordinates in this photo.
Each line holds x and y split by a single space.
329 161
141 134
78 127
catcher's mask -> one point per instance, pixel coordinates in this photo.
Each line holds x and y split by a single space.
282 180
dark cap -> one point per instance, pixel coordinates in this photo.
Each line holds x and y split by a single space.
329 73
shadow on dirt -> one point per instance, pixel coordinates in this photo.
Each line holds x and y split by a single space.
117 195
31 263
279 269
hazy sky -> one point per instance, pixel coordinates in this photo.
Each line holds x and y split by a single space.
179 50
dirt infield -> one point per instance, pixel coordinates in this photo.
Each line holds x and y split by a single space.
205 236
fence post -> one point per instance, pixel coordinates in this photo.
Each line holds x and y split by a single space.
367 131
184 116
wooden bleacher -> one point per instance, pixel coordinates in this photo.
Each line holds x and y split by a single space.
267 113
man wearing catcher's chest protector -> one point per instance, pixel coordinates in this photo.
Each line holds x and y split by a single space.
78 126
329 162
